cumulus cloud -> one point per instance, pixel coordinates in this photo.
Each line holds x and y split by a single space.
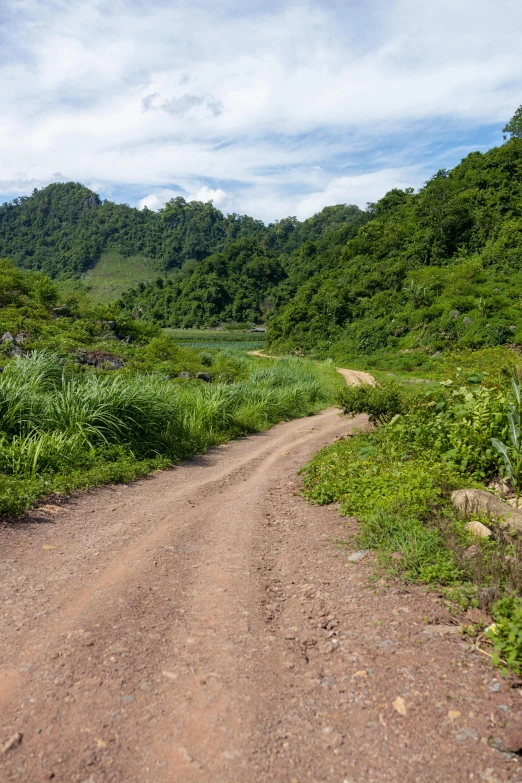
218 197
158 199
281 106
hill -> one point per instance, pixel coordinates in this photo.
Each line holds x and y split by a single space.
435 269
251 277
65 230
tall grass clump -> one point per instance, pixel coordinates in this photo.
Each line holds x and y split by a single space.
62 427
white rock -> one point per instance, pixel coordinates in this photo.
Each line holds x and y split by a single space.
478 529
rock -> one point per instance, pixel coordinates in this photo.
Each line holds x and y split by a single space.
7 337
478 501
465 734
467 321
400 705
397 556
204 376
22 337
444 630
471 551
13 742
513 737
62 311
355 557
183 375
478 529
100 359
477 616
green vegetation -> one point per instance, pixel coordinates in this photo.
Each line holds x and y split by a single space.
64 229
62 429
431 271
397 480
88 395
113 274
251 278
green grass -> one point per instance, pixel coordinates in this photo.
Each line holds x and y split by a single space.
217 339
112 275
61 428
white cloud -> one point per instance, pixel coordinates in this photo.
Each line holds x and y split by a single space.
218 197
158 199
269 103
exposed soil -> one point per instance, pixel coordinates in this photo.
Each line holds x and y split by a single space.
202 625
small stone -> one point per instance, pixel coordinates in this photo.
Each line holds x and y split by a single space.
465 734
170 675
443 630
48 546
471 551
400 705
361 673
513 737
13 742
495 687
397 556
477 616
454 714
478 529
146 685
355 557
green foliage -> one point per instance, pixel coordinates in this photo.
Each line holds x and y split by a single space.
397 480
430 271
61 428
65 228
424 556
66 231
514 126
506 633
380 401
512 454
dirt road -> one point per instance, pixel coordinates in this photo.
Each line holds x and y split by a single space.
201 625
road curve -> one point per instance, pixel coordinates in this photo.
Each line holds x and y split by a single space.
200 626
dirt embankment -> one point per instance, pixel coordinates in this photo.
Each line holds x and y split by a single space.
201 625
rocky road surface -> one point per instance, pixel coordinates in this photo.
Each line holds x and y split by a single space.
203 626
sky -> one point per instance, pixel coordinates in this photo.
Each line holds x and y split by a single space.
266 108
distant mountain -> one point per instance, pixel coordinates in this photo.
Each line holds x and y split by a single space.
63 230
250 277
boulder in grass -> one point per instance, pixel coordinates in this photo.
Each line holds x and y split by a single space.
478 529
204 376
478 501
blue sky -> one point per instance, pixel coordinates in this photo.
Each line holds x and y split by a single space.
267 108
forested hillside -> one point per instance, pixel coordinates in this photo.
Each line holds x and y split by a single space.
431 270
252 277
413 274
63 229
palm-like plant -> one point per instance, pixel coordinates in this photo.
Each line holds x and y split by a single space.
512 453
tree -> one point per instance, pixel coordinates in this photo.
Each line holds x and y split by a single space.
514 126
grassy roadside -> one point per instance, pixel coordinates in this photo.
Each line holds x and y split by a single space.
397 480
64 429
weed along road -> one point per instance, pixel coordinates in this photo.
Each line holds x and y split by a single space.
201 625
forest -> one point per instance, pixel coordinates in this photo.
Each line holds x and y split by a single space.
414 274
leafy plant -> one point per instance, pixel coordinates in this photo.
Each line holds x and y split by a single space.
381 401
512 454
506 633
